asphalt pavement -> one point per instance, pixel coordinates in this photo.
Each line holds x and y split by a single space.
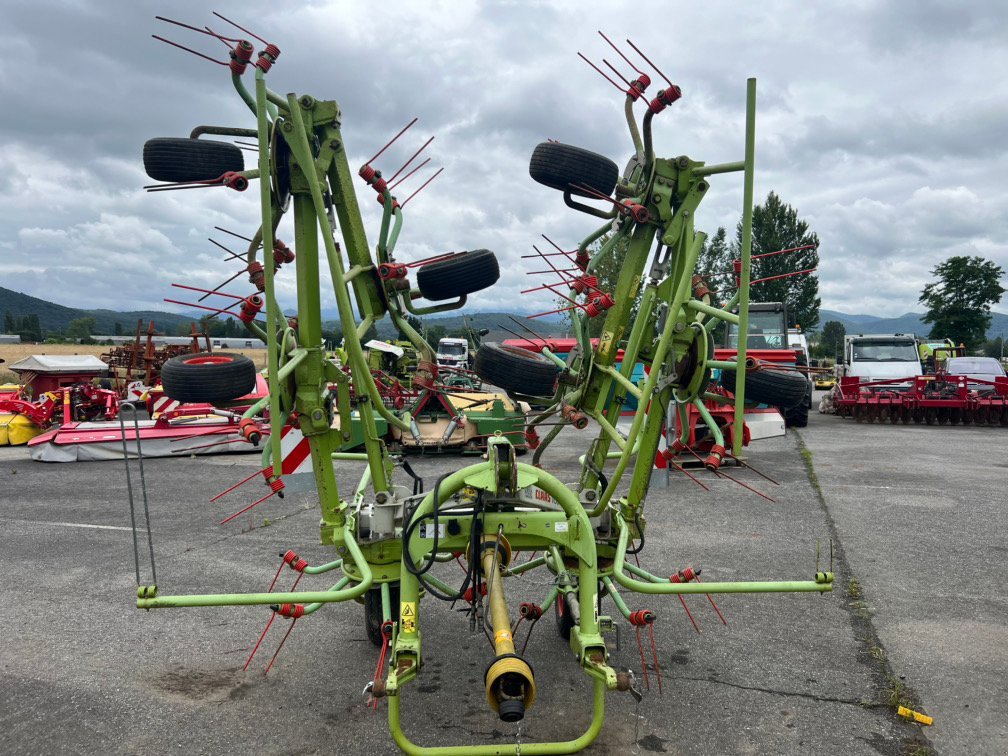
918 615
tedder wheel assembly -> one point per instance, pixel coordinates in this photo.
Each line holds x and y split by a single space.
778 389
373 618
458 275
563 167
515 369
564 616
202 377
174 159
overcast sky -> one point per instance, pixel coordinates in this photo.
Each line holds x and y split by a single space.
883 123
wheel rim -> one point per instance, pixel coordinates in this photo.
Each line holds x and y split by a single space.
208 359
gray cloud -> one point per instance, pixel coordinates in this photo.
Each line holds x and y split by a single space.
879 121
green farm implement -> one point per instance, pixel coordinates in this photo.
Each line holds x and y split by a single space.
386 535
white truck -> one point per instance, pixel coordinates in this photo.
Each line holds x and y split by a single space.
881 356
453 353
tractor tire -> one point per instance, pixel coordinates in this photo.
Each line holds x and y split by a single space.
173 159
515 370
458 275
563 167
778 389
564 618
373 612
211 378
796 417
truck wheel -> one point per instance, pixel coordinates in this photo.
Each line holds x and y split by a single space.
173 159
206 377
778 389
373 612
796 417
458 275
515 369
561 166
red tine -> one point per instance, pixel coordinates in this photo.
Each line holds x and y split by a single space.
620 53
422 148
392 186
422 186
219 228
189 49
613 69
650 63
390 141
256 36
601 72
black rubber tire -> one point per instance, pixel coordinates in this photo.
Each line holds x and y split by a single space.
208 377
561 166
564 618
515 369
174 159
459 275
796 417
774 387
373 612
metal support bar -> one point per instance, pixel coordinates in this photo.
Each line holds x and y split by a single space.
714 312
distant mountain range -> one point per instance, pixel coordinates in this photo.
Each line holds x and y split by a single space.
55 317
909 322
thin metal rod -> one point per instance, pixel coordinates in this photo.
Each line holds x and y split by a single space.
422 187
390 141
620 53
637 50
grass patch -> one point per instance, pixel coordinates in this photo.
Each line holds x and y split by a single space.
806 456
895 694
878 653
854 588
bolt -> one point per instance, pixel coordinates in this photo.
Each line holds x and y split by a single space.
381 497
307 102
317 415
679 327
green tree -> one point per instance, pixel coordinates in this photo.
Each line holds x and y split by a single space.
332 337
959 302
434 334
80 328
117 329
715 263
776 226
994 347
414 322
831 340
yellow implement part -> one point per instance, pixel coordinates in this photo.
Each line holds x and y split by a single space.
17 430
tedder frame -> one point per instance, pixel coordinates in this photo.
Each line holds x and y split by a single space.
386 538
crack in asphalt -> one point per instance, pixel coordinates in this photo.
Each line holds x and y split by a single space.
786 693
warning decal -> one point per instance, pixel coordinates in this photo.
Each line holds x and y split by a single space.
407 616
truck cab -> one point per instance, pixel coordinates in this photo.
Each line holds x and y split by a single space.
883 356
769 339
767 327
453 353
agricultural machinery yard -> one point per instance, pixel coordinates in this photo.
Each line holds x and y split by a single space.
408 503
915 526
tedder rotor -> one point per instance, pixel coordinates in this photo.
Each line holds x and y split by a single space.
387 536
